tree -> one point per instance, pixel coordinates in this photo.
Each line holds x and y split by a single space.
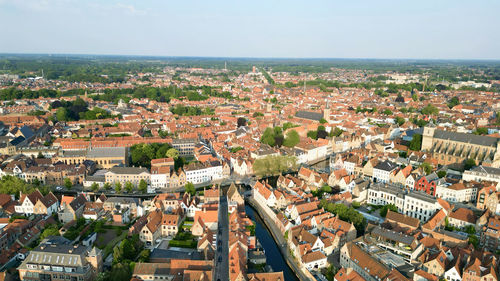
427 167
189 188
50 230
268 137
107 186
321 134
414 97
441 174
292 139
387 112
470 229
386 208
336 132
241 122
118 187
68 184
453 102
323 121
62 114
469 163
416 142
481 131
143 186
399 120
313 135
172 153
429 110
144 255
40 155
129 186
94 187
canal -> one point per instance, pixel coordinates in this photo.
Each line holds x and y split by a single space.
273 254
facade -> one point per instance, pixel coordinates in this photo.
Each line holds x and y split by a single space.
105 158
185 146
123 175
197 173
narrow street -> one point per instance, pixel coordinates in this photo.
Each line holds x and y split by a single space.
221 257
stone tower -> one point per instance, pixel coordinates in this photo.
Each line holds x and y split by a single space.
428 136
326 112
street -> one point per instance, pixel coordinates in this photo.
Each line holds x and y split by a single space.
222 253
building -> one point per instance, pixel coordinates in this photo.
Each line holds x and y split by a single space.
383 170
57 259
105 158
451 147
198 173
123 175
482 173
185 146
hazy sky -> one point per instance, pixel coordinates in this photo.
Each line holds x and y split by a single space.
435 29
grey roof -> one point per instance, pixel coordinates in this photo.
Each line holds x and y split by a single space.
393 235
311 115
467 138
173 254
123 200
389 188
386 166
107 152
486 169
422 196
128 170
57 253
180 141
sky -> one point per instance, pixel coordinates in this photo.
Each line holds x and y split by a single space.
420 29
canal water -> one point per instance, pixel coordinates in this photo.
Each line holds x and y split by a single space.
273 254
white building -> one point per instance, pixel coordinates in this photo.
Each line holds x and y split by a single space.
482 173
197 173
383 170
458 192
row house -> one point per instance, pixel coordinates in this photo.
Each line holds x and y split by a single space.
159 225
488 198
198 173
71 208
415 204
308 248
458 192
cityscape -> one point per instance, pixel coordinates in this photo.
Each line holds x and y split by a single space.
242 162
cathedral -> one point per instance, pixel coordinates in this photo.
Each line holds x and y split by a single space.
452 147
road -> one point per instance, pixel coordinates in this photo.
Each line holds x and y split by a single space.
221 271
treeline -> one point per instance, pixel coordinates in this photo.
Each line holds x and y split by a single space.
192 93
78 109
14 93
191 110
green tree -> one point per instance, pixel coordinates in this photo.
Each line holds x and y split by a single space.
268 137
129 186
143 186
481 131
68 184
429 110
118 187
313 135
292 139
416 142
107 186
387 112
453 102
323 121
469 164
62 114
414 97
94 187
441 174
274 165
144 255
50 230
427 167
385 208
172 153
399 120
189 188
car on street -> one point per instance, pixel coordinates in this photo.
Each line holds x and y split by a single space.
58 188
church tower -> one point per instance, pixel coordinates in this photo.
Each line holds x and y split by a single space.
428 136
326 112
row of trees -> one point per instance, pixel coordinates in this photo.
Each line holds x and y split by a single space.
78 109
345 213
182 110
274 165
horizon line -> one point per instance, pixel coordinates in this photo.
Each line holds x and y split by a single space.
266 58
